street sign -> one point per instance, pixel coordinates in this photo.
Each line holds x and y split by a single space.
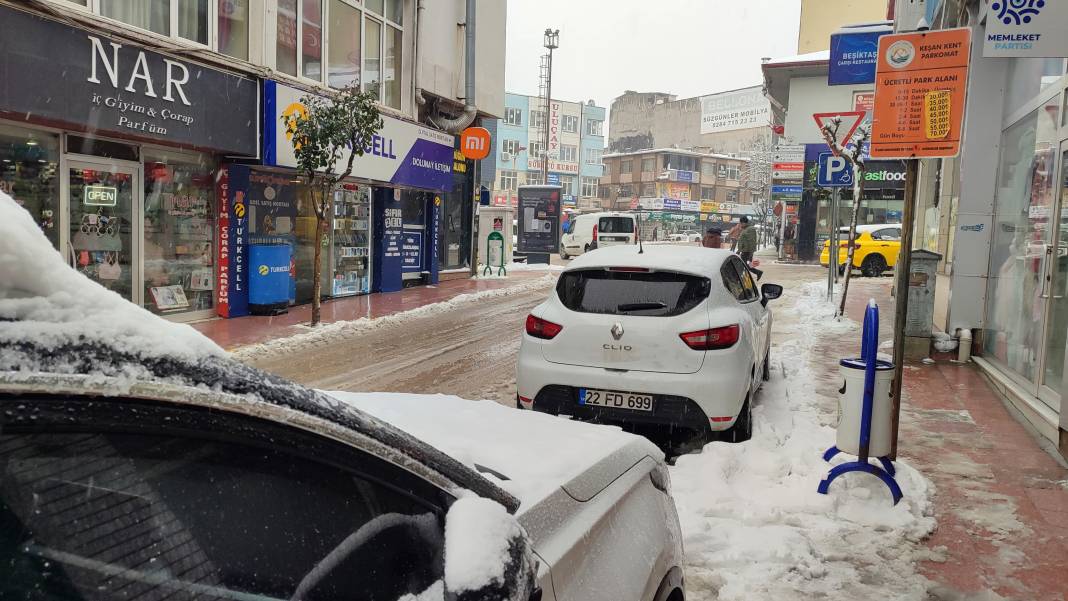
553 179
789 153
850 121
920 94
833 172
854 54
475 143
786 190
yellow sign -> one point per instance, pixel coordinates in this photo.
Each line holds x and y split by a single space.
937 105
708 206
264 270
437 201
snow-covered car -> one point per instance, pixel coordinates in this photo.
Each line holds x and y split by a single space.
138 460
672 340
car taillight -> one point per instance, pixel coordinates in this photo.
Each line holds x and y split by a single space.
540 328
713 339
595 232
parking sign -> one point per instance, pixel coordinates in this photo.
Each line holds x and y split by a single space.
833 172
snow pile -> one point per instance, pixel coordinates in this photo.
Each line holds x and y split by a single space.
328 334
46 302
477 536
755 527
536 452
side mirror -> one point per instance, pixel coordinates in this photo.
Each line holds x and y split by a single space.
770 292
482 563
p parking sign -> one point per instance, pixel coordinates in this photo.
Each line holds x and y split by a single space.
833 172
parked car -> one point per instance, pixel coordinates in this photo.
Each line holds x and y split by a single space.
671 342
137 460
877 247
597 230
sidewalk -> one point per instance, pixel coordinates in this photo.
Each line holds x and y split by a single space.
1001 501
232 334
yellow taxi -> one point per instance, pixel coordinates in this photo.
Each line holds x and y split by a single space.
877 248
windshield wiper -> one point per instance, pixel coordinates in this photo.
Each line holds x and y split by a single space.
640 306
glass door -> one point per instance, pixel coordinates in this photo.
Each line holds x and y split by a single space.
413 213
1057 331
103 243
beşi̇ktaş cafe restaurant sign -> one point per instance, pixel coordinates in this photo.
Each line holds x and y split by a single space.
62 76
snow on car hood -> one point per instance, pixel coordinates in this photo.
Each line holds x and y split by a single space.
538 453
45 302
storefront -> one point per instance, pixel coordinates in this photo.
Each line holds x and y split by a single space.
384 228
113 148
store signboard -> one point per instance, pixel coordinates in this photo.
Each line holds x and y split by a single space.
60 75
854 55
554 166
729 111
789 153
412 251
100 196
651 204
920 94
692 206
684 176
678 191
402 153
709 206
1026 29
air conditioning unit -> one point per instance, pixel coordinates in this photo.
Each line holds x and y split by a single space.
506 157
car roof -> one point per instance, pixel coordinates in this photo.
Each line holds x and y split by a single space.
64 334
694 259
872 227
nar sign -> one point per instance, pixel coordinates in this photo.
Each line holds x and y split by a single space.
1026 28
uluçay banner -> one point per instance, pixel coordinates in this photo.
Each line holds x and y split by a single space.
403 153
58 75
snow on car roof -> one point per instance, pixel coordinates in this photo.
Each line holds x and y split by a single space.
42 299
694 259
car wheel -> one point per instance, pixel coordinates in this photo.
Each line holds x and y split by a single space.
766 375
586 249
873 266
742 430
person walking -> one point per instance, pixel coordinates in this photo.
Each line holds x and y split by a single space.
733 235
713 238
747 245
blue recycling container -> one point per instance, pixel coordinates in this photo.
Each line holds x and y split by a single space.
268 290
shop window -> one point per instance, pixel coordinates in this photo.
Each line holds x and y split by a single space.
372 51
233 28
351 258
28 174
286 41
179 228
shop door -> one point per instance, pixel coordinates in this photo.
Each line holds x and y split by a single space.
103 240
1057 295
413 240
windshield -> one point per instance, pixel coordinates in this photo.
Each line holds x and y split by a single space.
657 294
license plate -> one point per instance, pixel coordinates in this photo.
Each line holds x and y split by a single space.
615 400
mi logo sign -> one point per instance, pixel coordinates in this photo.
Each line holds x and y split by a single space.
475 143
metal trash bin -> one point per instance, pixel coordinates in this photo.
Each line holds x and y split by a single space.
851 407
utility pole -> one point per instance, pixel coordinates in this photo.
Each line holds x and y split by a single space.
551 42
901 295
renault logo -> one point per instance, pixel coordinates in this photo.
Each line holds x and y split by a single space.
617 330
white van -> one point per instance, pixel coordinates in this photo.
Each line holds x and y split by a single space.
592 230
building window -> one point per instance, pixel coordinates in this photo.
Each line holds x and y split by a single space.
534 178
625 191
607 168
510 147
708 193
391 75
733 173
285 60
593 156
708 170
537 119
649 165
732 196
570 124
29 167
536 150
568 153
568 185
589 187
344 46
722 170
513 116
626 167
509 180
594 127
311 36
649 189
233 28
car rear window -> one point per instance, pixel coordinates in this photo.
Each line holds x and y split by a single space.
615 225
654 294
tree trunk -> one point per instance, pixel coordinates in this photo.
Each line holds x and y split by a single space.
858 194
317 264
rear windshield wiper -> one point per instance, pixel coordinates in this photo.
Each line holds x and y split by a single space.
640 306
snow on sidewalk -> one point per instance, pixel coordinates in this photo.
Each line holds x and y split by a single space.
755 527
325 334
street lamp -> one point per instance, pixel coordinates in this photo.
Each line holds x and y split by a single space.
551 41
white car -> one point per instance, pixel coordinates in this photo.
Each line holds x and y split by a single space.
674 340
597 230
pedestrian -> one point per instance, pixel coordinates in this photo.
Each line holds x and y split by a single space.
733 235
713 238
747 245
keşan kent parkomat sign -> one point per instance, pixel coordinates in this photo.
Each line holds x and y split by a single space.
402 153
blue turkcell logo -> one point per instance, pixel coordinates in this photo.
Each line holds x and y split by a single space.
1016 12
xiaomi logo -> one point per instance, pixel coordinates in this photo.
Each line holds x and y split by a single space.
475 143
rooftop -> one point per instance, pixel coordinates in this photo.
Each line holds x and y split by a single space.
674 151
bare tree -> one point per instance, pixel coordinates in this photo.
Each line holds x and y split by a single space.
329 132
854 156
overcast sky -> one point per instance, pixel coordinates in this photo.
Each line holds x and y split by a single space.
683 47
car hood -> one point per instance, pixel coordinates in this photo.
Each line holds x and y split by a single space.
531 455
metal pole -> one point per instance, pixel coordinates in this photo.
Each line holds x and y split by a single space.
545 122
832 246
836 200
782 232
901 297
475 201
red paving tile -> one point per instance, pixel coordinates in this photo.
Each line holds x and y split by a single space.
1005 527
242 331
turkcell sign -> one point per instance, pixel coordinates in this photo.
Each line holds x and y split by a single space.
402 153
1026 28
833 172
854 56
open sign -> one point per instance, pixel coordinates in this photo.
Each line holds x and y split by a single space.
101 196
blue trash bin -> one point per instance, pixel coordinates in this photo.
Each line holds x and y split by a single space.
268 292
